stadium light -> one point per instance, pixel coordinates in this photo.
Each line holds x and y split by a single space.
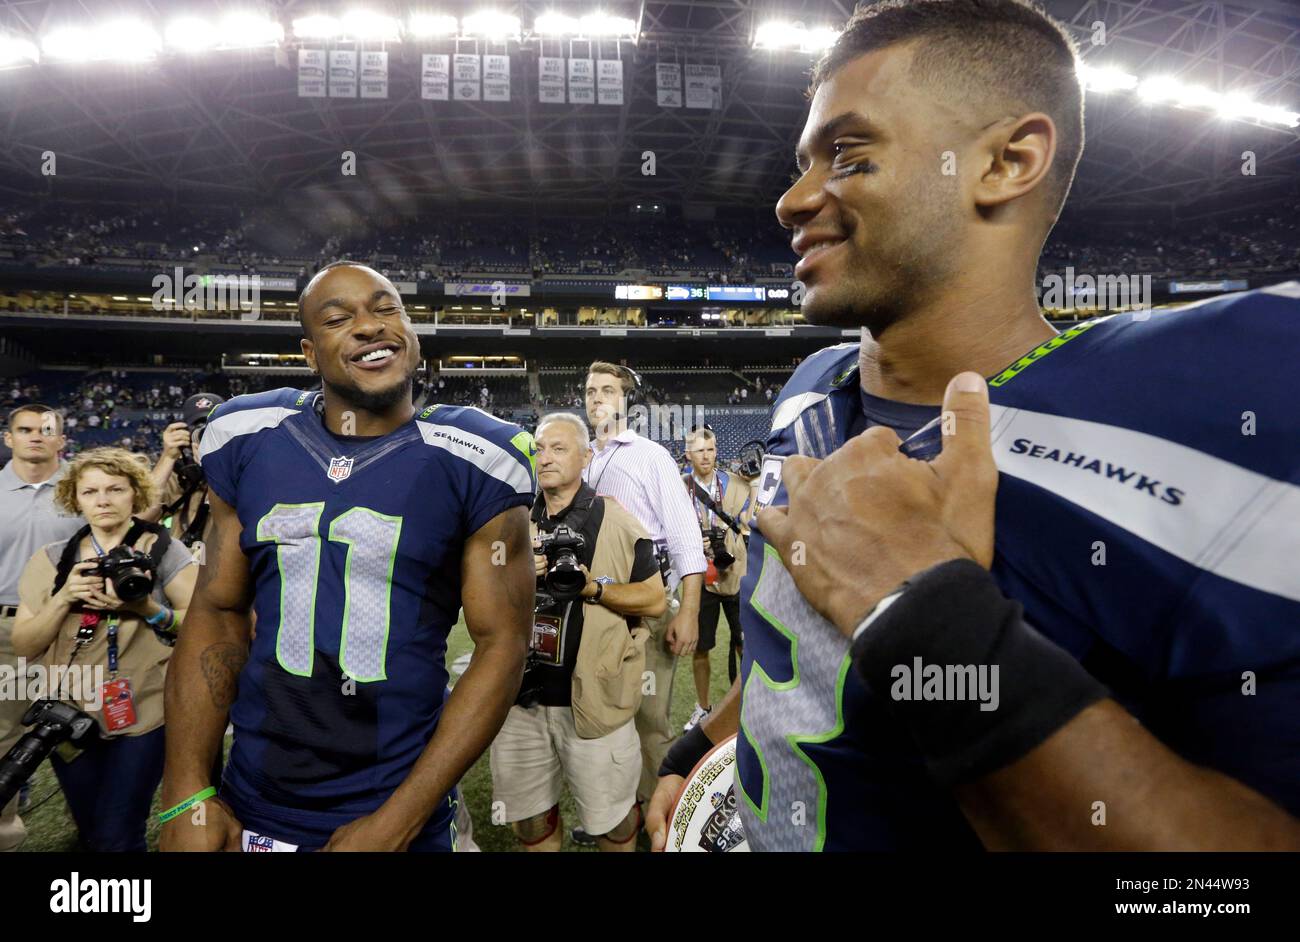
126 39
490 24
242 30
235 31
15 51
317 26
189 34
603 24
780 34
1106 78
1232 105
555 24
429 25
363 24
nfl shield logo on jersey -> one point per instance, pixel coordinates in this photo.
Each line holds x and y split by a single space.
340 468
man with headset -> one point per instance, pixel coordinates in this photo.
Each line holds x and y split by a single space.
642 476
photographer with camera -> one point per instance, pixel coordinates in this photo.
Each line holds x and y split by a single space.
723 503
597 575
178 479
108 604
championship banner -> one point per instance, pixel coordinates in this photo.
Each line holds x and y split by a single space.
311 73
703 86
609 85
668 81
550 80
374 75
466 75
435 76
343 73
496 78
582 82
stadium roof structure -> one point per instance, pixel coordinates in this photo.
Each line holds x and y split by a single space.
228 126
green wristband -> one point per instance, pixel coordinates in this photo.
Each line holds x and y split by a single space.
187 804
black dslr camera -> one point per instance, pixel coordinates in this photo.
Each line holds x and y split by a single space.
717 537
564 579
131 572
52 723
749 463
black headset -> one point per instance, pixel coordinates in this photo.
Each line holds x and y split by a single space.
635 395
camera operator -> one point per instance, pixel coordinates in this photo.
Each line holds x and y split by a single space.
723 505
34 434
178 479
109 602
573 722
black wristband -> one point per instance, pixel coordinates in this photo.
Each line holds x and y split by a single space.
685 754
953 629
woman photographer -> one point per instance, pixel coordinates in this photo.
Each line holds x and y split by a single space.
71 614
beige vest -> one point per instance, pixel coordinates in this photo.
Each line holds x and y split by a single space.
607 677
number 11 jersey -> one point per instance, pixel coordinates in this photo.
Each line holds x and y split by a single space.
355 547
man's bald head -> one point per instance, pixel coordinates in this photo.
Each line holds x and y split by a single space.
309 288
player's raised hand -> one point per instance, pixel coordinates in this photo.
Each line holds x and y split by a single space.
209 826
868 517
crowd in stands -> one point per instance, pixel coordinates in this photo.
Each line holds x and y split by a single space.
531 245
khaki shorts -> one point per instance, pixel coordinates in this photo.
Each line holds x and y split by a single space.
538 749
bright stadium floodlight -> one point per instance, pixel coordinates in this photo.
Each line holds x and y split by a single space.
317 26
776 34
363 24
555 24
1106 78
127 40
189 34
430 25
779 34
602 24
1161 88
490 24
15 51
242 30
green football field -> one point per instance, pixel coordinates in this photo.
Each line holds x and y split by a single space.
50 827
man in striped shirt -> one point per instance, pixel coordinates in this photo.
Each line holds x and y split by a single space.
642 476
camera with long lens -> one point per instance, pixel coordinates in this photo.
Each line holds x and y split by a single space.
129 568
717 537
52 723
564 579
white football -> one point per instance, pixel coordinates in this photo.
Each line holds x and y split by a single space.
705 816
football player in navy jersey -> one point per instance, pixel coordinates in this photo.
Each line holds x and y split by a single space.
356 529
1144 523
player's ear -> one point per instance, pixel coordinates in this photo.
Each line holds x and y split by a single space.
1017 157
309 351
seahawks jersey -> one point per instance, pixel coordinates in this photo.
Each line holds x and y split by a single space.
1148 520
354 547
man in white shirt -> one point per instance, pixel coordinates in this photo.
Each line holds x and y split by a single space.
30 520
643 477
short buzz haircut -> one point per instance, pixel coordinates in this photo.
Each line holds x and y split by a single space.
1003 50
302 295
41 410
567 418
695 435
613 369
115 462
